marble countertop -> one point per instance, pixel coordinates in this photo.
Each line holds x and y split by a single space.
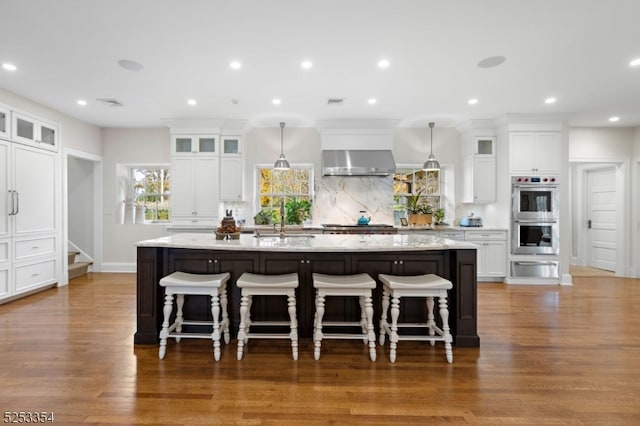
315 243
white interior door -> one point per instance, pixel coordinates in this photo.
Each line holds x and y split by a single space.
601 211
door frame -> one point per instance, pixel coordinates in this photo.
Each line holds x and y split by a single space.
580 212
97 208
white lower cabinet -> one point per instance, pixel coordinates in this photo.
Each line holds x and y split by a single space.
492 252
5 267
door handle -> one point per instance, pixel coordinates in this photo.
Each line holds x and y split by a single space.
17 194
589 224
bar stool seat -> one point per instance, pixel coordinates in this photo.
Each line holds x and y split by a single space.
183 283
427 286
267 285
358 285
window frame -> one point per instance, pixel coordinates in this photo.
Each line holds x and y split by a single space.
130 170
257 206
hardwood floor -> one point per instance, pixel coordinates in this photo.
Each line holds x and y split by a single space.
548 355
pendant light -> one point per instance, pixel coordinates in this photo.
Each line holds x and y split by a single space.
431 163
281 163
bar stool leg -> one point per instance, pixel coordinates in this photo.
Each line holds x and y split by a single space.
431 323
294 325
383 316
215 336
164 333
225 315
363 317
317 335
242 332
444 314
395 312
368 303
179 316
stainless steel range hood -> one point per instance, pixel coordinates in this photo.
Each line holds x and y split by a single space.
358 162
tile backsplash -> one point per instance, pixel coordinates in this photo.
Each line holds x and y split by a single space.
340 199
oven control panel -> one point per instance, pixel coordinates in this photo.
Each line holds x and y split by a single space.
541 180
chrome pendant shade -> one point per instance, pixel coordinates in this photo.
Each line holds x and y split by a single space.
281 163
431 163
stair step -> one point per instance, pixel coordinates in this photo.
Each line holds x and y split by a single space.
78 269
71 256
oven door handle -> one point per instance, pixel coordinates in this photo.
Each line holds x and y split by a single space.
523 263
535 221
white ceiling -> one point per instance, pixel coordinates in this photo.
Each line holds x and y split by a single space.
576 50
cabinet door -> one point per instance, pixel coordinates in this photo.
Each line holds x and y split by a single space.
207 145
231 145
521 152
534 152
206 185
547 153
7 199
4 123
182 187
48 136
495 259
24 129
479 180
35 186
231 173
183 145
5 268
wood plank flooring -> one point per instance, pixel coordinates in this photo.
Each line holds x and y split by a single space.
549 355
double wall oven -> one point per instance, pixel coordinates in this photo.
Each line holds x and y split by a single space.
535 226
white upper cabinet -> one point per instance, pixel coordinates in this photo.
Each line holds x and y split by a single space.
231 145
194 144
479 146
33 131
479 180
5 121
534 153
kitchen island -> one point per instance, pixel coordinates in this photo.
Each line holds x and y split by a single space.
304 255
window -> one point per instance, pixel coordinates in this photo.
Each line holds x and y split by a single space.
412 180
151 187
294 185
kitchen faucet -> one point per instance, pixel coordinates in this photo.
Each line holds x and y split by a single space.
282 235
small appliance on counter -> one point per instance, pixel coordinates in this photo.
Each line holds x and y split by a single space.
363 220
471 221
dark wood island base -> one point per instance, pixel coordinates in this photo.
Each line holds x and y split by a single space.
455 264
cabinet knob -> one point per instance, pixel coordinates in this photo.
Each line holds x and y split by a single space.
302 261
210 260
402 262
308 261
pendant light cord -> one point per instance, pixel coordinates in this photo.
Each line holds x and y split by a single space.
281 139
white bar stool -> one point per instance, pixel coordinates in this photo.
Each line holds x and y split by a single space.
359 285
183 283
267 285
427 286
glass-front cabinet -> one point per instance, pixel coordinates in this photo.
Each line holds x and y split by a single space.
4 123
32 131
194 144
231 145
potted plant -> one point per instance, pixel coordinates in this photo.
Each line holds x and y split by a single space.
419 213
438 216
297 211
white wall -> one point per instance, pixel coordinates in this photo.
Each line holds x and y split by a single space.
75 134
127 146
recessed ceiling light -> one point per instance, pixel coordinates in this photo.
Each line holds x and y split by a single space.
306 65
550 101
614 119
372 101
9 67
235 65
81 102
130 65
192 102
635 62
491 61
276 101
383 63
472 101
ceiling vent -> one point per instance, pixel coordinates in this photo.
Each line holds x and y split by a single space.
335 101
110 102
